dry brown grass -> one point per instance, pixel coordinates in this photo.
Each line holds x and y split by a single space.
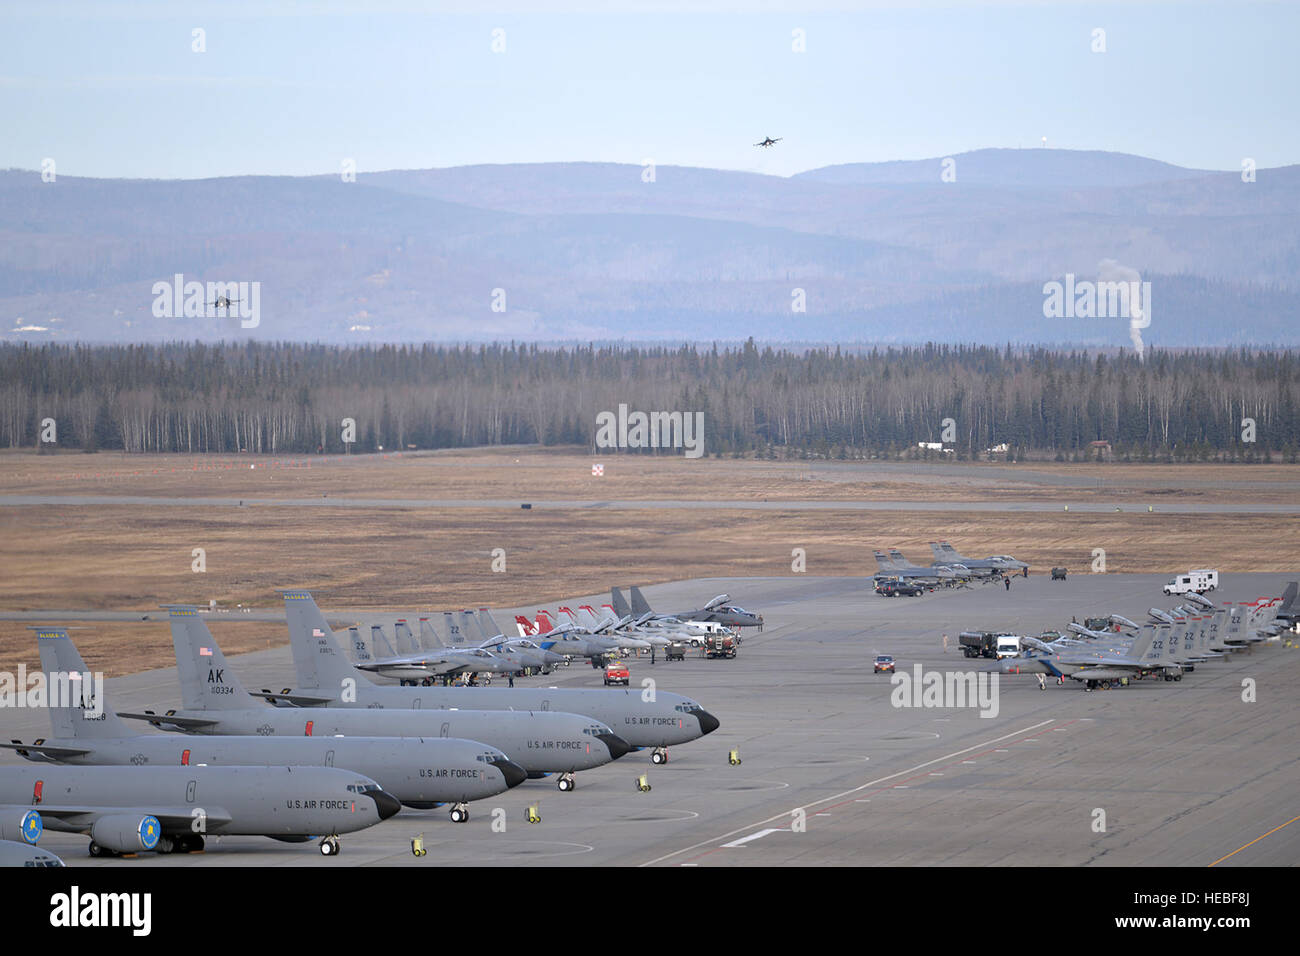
125 557
536 474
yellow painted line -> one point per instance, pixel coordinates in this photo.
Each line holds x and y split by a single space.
1256 840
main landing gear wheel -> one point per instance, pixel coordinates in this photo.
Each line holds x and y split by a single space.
660 755
566 782
165 844
99 851
1060 681
329 846
459 813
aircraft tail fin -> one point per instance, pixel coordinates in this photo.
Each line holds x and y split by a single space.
379 641
484 614
1140 649
429 637
544 622
78 703
316 654
360 647
403 639
883 562
621 607
1288 598
526 627
639 603
207 683
467 628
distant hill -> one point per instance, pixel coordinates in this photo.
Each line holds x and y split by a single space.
881 252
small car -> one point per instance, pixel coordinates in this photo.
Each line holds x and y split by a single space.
616 672
676 651
884 663
1058 574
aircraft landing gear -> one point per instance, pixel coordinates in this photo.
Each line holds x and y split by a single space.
660 755
566 782
1060 681
459 813
100 851
1089 686
1042 682
165 844
329 846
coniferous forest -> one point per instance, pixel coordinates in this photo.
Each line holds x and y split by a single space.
283 398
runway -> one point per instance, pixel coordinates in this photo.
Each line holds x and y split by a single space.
1157 505
1182 774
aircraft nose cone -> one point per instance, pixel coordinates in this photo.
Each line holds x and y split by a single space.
514 774
616 744
708 723
385 803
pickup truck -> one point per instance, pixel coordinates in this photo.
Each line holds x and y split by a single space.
616 672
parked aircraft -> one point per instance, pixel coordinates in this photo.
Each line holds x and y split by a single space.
642 718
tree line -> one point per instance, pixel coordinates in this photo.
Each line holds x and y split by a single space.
289 398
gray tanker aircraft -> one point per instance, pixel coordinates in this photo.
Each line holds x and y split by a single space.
647 718
420 772
167 809
215 702
18 853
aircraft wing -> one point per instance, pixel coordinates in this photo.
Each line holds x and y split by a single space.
49 750
175 720
296 700
78 818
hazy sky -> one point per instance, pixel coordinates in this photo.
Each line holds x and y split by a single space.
114 88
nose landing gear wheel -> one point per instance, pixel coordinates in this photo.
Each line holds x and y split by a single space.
566 782
329 846
459 813
660 755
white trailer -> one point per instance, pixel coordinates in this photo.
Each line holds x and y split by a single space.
1200 581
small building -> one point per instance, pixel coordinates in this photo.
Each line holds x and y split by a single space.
1099 450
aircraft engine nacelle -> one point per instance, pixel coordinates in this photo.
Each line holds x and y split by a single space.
127 832
21 826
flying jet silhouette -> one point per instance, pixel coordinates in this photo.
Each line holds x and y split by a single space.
769 141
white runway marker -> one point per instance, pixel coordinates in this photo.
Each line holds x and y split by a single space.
755 836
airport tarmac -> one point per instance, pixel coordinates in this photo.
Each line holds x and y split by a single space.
1185 773
1157 505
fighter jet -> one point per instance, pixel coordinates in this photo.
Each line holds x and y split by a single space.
223 302
947 572
717 610
1150 653
215 702
325 677
166 809
887 568
419 772
378 657
769 141
522 653
997 563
